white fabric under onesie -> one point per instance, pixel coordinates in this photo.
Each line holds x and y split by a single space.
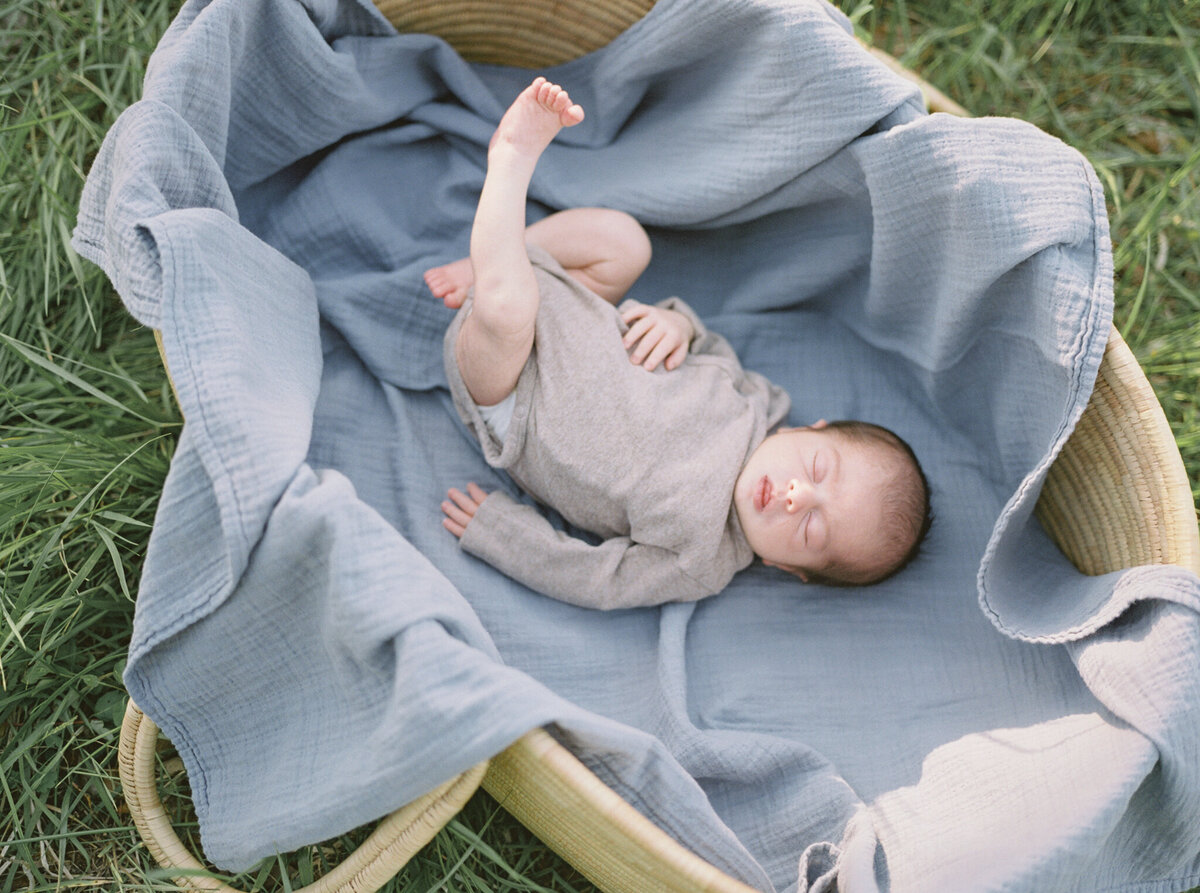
499 417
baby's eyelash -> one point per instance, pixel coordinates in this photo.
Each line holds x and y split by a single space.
819 471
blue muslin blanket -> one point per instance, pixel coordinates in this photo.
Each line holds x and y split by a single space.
320 650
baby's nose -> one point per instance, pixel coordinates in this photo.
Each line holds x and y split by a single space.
798 495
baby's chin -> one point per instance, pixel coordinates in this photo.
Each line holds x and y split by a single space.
743 502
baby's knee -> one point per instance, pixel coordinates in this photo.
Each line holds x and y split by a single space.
505 310
628 237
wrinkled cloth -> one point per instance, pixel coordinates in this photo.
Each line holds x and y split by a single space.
643 462
321 651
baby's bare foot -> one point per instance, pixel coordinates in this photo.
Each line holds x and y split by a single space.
535 118
450 282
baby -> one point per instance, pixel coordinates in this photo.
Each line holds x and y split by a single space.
637 423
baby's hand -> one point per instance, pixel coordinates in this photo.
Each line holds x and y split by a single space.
661 336
460 508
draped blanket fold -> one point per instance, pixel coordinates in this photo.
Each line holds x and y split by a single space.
321 651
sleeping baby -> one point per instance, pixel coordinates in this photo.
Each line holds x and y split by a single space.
635 422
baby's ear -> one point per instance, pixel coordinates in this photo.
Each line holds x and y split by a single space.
794 571
815 426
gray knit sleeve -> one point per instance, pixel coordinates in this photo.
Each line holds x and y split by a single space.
618 573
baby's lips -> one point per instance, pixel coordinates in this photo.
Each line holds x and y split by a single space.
763 493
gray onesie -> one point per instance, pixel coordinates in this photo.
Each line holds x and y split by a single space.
645 460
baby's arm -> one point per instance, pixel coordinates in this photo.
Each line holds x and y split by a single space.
517 540
607 251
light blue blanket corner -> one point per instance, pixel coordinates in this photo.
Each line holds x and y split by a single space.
320 650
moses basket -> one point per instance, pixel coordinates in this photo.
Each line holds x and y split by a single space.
1116 497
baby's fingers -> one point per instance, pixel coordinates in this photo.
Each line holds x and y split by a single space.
637 330
635 310
459 508
678 355
666 349
646 346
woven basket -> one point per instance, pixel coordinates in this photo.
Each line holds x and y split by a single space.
1116 497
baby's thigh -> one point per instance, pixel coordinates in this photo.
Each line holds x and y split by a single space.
490 361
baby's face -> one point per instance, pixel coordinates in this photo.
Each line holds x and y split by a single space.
808 500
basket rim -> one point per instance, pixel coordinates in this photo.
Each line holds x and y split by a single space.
395 839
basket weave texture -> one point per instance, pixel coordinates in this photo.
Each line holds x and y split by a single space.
1116 497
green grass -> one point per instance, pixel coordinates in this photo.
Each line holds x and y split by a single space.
87 423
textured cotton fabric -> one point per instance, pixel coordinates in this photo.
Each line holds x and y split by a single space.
645 461
319 648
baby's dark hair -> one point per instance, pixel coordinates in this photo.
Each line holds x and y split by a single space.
907 514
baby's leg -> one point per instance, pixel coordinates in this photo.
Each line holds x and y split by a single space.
495 340
604 249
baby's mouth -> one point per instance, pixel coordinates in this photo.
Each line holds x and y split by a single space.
763 493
